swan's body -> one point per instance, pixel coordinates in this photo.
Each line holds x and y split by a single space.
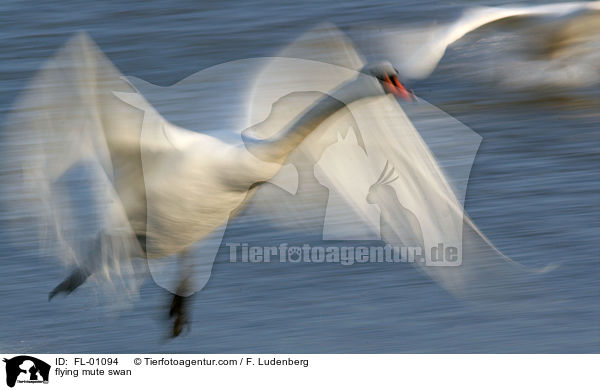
193 182
179 163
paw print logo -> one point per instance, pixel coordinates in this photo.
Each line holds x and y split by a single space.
294 253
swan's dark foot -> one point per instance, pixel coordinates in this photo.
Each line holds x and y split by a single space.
70 283
179 311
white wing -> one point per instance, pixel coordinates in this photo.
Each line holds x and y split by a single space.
74 154
417 52
108 174
432 156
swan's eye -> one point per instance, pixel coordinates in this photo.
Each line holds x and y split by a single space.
378 75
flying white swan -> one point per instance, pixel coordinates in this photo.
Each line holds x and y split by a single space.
161 188
156 189
416 52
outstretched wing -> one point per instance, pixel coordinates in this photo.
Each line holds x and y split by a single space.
73 156
432 154
417 52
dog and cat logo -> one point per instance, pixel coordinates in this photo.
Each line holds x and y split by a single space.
26 369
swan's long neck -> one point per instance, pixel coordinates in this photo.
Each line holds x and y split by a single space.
277 147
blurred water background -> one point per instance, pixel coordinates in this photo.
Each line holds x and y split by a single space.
534 190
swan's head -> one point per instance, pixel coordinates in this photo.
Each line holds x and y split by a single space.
387 78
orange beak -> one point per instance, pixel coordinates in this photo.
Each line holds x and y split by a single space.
394 86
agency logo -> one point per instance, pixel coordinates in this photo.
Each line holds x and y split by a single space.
26 369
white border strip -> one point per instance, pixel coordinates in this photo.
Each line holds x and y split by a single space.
317 371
